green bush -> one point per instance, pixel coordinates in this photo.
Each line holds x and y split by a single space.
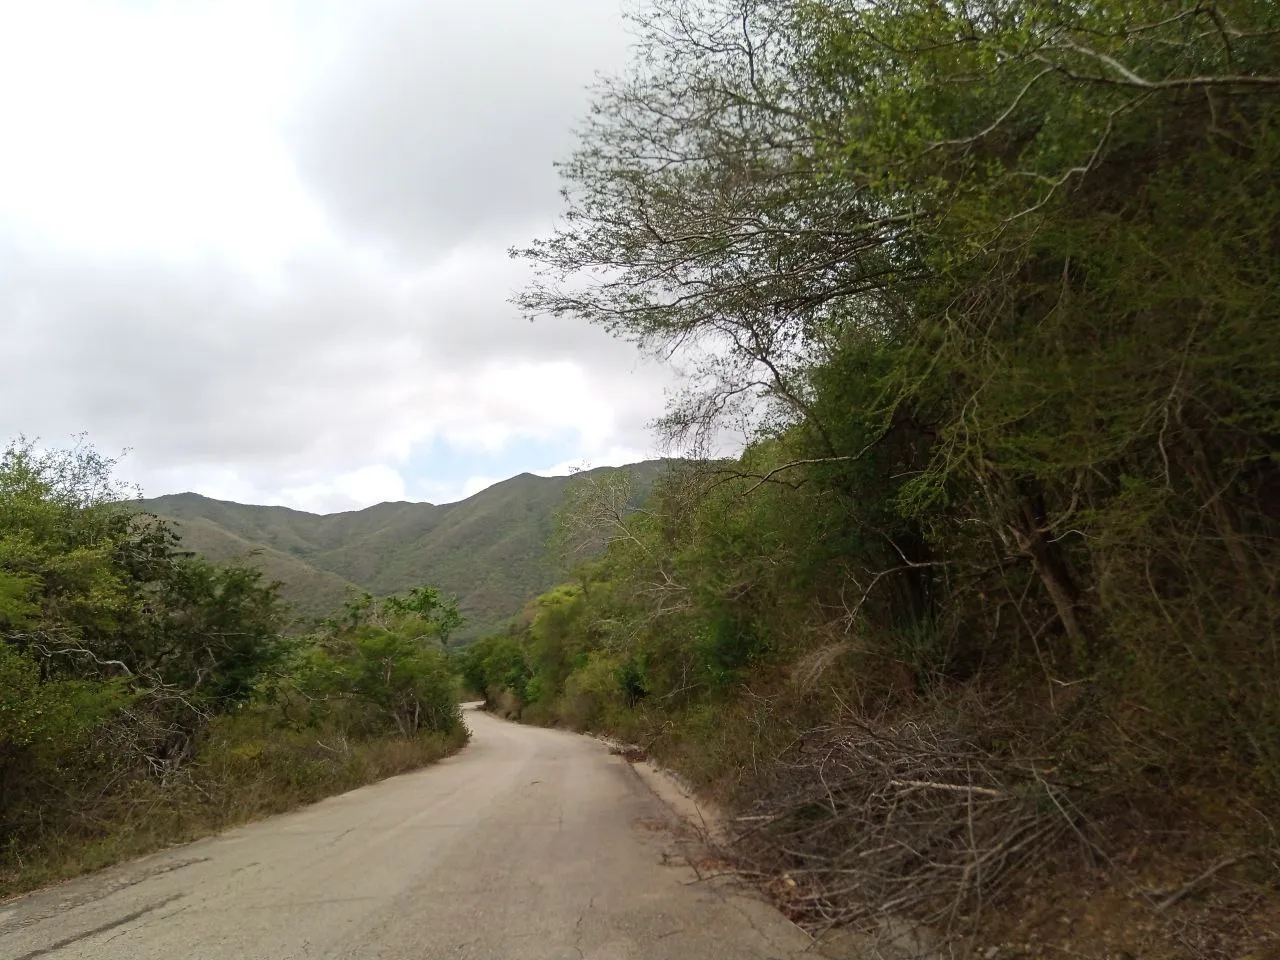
593 692
147 696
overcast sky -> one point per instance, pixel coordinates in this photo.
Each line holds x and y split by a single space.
262 244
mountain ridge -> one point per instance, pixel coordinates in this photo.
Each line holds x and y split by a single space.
489 549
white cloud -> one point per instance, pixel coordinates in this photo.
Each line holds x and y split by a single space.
262 242
377 483
614 456
151 128
434 122
474 485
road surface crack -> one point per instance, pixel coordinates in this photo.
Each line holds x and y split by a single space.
109 887
151 922
577 925
102 928
340 836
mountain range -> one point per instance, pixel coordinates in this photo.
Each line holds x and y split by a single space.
490 550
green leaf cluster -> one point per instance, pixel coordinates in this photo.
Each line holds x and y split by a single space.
383 667
992 290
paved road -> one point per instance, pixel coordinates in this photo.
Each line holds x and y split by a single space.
529 845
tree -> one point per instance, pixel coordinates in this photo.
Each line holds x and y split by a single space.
696 224
386 657
991 288
104 591
117 649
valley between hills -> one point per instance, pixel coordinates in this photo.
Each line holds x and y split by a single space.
492 550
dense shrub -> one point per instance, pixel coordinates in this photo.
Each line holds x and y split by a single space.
136 677
991 288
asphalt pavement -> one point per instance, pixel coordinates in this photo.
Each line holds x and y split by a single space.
530 844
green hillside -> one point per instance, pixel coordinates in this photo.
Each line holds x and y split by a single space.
490 550
313 592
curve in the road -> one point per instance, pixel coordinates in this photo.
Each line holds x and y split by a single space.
531 844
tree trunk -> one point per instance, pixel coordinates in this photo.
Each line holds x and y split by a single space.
1052 569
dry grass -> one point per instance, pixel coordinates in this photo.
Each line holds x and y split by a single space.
242 773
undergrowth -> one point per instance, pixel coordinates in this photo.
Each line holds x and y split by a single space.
246 767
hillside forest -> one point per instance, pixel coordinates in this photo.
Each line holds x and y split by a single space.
979 631
488 550
149 696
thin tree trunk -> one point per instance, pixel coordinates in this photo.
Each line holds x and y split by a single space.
1052 571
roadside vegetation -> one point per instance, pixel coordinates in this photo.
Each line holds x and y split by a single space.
980 630
148 697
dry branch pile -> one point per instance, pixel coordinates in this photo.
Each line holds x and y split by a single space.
869 825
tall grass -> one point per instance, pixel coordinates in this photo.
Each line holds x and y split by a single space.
246 768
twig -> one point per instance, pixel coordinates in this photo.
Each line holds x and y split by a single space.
1189 888
957 787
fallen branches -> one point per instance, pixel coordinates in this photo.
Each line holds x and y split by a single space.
1199 880
872 825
